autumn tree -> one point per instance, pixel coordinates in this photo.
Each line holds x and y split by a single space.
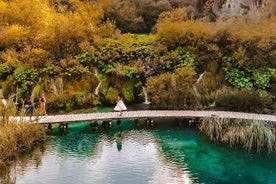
173 90
124 14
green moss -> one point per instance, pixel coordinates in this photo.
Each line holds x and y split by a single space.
7 87
96 102
38 89
128 93
111 95
69 104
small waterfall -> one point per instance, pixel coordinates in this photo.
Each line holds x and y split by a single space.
53 87
146 96
4 102
56 86
213 104
200 78
96 92
196 91
197 81
96 72
97 88
33 93
59 84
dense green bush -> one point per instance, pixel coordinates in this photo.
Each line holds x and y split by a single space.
233 99
173 90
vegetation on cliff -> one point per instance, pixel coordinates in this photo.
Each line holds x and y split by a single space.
73 52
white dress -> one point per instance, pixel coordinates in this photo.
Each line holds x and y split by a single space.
120 106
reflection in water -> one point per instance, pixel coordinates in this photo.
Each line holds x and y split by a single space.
28 160
119 136
212 162
128 155
84 157
5 175
140 161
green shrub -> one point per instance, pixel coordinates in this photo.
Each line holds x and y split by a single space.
234 99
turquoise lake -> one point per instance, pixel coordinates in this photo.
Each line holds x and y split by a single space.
165 153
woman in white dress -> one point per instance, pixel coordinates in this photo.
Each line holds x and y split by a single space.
120 106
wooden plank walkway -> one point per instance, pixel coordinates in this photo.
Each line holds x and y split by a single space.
107 116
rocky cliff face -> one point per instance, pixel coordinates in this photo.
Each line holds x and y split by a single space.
244 7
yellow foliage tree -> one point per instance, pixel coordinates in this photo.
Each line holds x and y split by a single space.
174 29
58 27
173 91
13 36
34 57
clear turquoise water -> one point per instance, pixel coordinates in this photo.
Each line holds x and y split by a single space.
141 156
211 162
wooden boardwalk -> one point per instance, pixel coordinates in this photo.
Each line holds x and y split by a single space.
108 116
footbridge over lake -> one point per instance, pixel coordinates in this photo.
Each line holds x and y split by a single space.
151 114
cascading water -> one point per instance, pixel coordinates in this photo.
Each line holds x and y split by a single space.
96 72
196 90
197 81
53 87
56 86
213 104
59 84
33 93
200 77
146 96
97 88
96 92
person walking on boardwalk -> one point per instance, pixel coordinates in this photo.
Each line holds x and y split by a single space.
120 106
42 101
30 107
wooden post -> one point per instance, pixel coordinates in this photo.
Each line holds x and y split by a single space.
107 124
94 125
49 127
63 127
150 122
136 122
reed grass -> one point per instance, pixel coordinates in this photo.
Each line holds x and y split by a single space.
250 134
17 136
